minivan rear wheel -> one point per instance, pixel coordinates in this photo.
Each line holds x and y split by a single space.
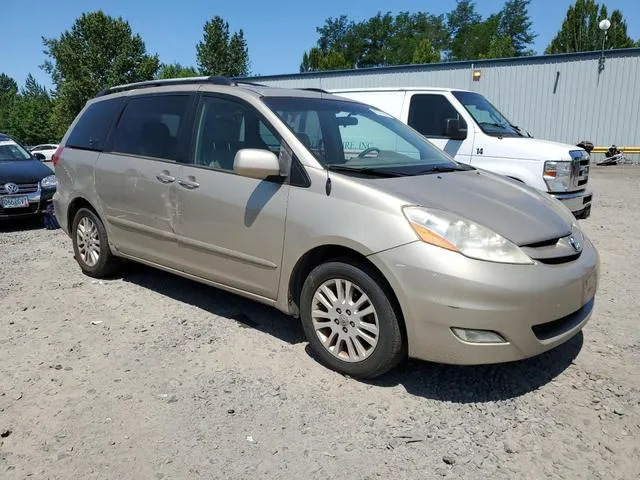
349 320
91 245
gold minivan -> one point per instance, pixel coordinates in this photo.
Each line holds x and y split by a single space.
327 209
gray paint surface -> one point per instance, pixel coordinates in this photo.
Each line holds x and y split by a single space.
584 104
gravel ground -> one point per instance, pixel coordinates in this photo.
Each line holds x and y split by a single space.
152 376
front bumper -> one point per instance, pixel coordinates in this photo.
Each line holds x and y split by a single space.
578 202
37 203
534 307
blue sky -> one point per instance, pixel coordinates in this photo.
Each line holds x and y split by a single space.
277 31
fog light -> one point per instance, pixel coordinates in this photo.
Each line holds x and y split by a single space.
477 336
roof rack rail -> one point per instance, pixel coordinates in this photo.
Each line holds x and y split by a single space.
314 89
214 80
251 84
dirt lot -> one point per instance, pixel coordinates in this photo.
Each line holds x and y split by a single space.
152 376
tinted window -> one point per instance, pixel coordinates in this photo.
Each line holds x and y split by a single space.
224 127
91 129
428 114
150 126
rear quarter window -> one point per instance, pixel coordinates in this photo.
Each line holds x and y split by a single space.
91 129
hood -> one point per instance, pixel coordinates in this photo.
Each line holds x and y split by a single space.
515 211
523 148
23 171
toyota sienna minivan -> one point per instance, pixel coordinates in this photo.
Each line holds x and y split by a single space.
383 246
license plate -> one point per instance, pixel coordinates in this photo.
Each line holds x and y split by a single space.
589 286
15 202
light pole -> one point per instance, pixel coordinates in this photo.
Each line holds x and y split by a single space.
604 26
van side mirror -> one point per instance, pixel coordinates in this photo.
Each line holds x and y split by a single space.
39 156
456 129
256 163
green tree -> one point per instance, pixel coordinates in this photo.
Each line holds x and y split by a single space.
220 53
380 40
580 32
238 55
175 70
30 114
515 25
99 51
8 93
425 53
464 25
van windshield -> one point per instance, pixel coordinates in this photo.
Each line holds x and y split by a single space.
355 138
490 120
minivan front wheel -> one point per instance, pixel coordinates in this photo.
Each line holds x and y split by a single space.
91 246
350 321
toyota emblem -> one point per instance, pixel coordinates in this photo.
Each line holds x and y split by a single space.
575 244
11 188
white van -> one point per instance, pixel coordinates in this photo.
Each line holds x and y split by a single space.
465 125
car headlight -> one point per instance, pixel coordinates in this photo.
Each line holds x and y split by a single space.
450 231
49 182
557 176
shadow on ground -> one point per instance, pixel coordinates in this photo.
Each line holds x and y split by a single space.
247 313
452 383
20 224
482 383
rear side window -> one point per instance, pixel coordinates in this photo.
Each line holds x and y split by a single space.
428 114
150 126
92 127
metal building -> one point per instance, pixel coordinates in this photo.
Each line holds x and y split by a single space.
565 97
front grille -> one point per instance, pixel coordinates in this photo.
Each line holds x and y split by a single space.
559 260
554 251
23 188
545 331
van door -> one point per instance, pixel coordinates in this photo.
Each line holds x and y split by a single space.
135 176
429 114
230 228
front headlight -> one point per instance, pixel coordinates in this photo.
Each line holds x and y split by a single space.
450 231
557 176
49 182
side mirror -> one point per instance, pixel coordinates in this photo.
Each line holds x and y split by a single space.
255 163
455 129
39 156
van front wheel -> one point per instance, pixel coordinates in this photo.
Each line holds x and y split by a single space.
349 320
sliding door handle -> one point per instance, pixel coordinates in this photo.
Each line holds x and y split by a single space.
188 184
164 177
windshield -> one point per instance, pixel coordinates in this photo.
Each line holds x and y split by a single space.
10 150
491 121
349 136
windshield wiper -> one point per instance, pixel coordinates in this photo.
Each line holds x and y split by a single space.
378 172
445 169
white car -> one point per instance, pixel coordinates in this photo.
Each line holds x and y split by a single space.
466 126
46 149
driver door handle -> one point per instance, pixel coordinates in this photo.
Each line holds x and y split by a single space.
189 184
164 177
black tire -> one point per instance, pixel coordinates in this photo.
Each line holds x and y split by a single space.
107 263
388 351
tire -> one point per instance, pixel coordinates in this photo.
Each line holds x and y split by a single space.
104 263
334 330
